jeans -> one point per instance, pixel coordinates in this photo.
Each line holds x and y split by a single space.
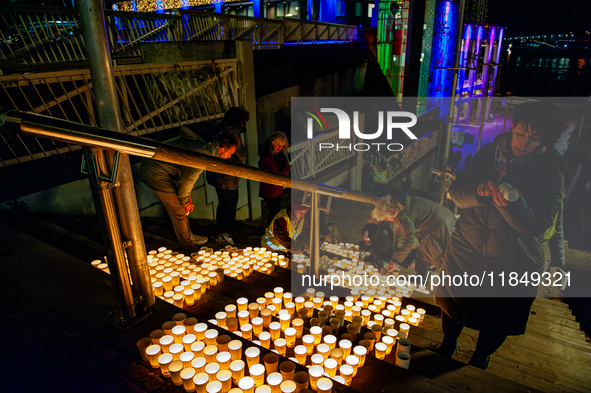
226 211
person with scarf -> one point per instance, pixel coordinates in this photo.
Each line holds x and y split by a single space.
495 237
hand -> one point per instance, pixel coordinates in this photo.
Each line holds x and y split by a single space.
331 239
189 207
490 189
392 265
412 266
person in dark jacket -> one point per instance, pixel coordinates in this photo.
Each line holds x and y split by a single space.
274 158
173 183
379 240
226 186
423 225
495 237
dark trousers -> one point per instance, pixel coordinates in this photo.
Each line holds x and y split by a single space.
488 341
274 205
226 212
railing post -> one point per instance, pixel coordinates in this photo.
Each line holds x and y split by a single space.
95 37
314 235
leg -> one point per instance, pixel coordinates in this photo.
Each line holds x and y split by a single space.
451 332
226 210
180 221
488 342
274 206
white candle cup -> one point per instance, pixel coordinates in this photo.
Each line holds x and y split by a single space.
403 345
188 340
211 369
242 303
324 385
302 380
288 387
257 372
404 327
178 332
323 350
287 370
200 381
337 354
308 341
197 348
265 339
284 319
298 325
220 317
315 372
403 359
330 366
252 356
165 342
246 331
271 361
175 350
275 330
167 327
200 330
266 314
142 344
353 361
280 346
237 369
224 359
316 332
230 310
187 375
360 351
345 346
253 310
301 353
290 336
380 350
210 336
198 363
330 340
153 351
246 384
163 361
274 381
174 368
235 347
243 317
178 300
346 372
156 335
389 341
225 378
210 352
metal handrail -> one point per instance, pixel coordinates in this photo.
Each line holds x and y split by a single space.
48 127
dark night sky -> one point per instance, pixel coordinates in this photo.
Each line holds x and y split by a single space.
540 16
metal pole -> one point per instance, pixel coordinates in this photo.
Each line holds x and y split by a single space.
105 211
446 143
104 87
315 236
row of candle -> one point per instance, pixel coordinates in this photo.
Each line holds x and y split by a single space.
212 365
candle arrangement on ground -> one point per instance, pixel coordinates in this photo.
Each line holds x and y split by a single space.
181 280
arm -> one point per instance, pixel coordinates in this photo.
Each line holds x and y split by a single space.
479 170
186 183
536 215
409 239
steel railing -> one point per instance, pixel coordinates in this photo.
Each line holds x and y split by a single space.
153 97
307 159
50 35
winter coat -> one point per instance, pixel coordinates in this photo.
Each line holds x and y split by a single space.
429 230
493 240
178 179
275 163
227 182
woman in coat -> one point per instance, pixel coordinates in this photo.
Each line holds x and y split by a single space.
274 159
495 238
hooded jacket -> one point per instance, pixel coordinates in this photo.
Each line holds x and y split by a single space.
490 241
178 179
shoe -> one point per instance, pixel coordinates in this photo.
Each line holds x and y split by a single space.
447 348
480 363
198 240
225 240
